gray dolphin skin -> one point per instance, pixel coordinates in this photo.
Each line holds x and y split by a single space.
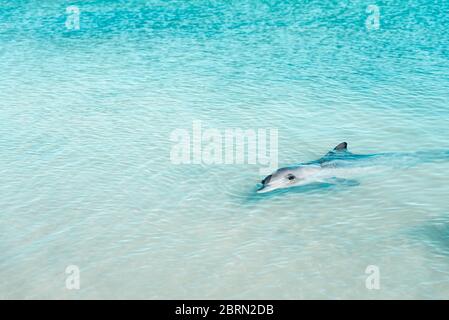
340 166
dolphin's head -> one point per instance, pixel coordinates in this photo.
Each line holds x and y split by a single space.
281 178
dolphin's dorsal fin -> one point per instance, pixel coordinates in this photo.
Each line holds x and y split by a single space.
342 147
338 152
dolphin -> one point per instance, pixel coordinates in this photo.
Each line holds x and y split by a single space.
339 165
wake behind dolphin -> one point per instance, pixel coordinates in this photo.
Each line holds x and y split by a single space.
339 166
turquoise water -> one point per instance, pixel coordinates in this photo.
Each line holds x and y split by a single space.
86 176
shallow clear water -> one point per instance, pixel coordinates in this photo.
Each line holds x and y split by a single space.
85 170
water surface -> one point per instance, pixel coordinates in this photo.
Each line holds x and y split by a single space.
86 177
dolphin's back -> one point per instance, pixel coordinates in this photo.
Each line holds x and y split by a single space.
340 152
341 157
387 158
